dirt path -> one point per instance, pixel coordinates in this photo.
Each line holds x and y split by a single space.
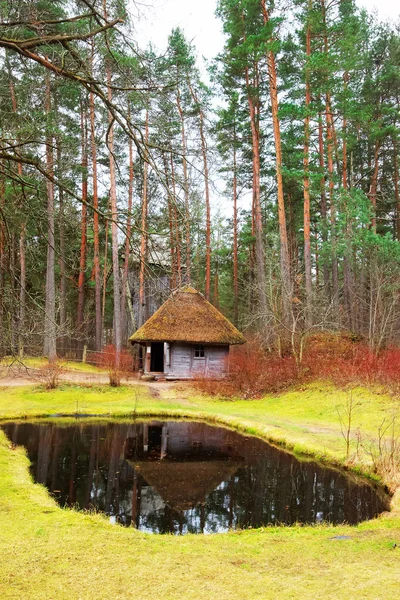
21 377
28 377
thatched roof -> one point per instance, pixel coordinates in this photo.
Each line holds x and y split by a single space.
183 485
187 317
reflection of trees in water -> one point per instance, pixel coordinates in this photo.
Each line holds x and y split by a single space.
87 465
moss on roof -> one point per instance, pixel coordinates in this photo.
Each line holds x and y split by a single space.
187 317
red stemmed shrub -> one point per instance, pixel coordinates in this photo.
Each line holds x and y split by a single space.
50 374
338 357
347 361
107 359
251 373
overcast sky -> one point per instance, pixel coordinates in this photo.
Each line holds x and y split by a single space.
197 19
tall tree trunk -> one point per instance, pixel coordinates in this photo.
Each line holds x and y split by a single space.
13 325
105 268
96 241
348 283
83 247
63 279
324 214
374 184
396 187
114 219
22 290
329 144
185 189
207 192
306 183
235 238
125 282
143 237
344 131
173 279
285 266
2 257
258 228
49 347
22 257
330 148
175 223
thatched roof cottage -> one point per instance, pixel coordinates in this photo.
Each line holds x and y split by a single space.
187 337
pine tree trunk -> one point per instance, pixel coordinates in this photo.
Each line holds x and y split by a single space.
235 239
216 288
143 237
348 283
330 148
125 282
175 223
96 241
329 144
306 161
396 187
324 214
285 266
83 246
344 133
186 190
49 347
105 268
258 228
13 325
22 290
374 184
114 221
63 279
207 194
22 257
2 258
173 278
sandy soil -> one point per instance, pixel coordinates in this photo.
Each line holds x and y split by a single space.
20 377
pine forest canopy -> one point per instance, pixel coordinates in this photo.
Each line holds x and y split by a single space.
109 150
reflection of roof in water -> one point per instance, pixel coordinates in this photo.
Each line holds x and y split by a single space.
183 485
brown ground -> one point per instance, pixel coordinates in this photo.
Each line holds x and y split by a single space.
20 377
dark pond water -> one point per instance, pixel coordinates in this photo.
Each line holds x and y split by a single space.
181 477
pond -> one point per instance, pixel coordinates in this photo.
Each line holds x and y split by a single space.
188 477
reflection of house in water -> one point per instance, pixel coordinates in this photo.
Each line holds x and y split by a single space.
183 464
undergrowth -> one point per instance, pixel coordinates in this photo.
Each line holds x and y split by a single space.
339 358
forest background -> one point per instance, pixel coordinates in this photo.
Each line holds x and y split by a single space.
110 152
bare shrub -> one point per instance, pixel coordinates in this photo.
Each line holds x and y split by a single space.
339 357
252 372
384 452
50 374
107 359
346 416
345 360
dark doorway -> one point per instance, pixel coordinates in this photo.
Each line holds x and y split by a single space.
154 440
157 357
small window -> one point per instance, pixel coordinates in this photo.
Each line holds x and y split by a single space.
199 351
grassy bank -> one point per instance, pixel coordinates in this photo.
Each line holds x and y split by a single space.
52 553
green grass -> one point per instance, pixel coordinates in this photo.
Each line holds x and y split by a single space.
30 362
32 401
48 552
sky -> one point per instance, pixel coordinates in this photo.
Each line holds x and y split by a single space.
196 17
